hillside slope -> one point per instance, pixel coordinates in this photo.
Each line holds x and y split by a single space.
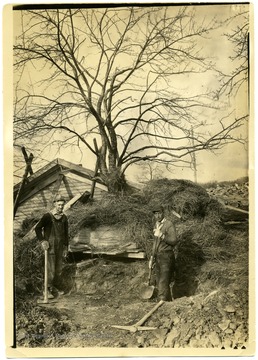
211 294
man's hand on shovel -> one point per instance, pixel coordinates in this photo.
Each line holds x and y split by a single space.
65 253
45 245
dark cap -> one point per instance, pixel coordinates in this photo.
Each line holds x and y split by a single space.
59 198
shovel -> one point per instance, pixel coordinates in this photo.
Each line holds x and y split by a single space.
148 290
45 299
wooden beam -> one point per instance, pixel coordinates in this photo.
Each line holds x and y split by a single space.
67 186
237 209
19 193
132 255
27 159
29 191
96 169
72 201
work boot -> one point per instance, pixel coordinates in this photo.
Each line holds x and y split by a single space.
56 291
60 292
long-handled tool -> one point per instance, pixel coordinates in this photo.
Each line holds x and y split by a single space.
148 290
45 299
138 326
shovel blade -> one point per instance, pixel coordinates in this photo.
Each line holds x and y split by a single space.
147 292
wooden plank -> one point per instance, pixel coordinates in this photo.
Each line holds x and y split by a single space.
72 201
237 209
76 168
138 255
18 197
30 191
96 170
27 159
67 186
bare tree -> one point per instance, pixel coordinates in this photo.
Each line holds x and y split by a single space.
115 74
239 38
150 170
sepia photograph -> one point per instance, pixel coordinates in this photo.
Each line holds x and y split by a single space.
129 141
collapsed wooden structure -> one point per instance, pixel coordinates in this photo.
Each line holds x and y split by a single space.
75 183
58 176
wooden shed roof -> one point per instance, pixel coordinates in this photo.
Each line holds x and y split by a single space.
48 174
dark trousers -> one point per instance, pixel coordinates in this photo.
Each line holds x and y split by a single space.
55 263
165 268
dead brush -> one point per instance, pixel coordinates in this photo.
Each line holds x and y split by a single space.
185 197
200 231
28 264
140 233
200 220
118 211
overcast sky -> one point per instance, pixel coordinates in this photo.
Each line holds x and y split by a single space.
229 164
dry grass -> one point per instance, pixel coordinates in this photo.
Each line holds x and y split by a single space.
29 265
202 237
185 197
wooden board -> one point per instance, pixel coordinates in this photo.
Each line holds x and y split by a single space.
133 255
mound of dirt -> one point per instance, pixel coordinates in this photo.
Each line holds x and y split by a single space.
210 307
188 199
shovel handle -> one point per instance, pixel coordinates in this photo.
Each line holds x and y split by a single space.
157 242
153 259
46 277
150 271
149 277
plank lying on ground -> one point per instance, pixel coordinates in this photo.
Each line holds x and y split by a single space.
138 255
87 263
79 248
244 222
236 209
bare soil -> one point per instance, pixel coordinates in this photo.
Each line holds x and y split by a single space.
210 307
104 292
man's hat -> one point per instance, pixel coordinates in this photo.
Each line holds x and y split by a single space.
157 208
59 198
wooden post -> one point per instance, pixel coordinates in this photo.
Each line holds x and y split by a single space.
28 169
96 170
27 159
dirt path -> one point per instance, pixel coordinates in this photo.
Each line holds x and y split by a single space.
108 293
94 321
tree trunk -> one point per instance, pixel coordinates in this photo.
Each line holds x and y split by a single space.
113 178
110 173
116 182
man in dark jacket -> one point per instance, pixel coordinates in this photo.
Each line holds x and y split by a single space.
165 240
52 231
